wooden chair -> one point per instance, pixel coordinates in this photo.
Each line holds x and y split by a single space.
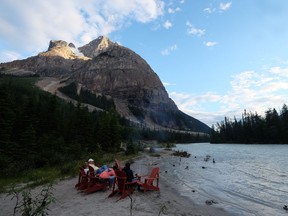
150 183
118 164
123 188
82 180
95 183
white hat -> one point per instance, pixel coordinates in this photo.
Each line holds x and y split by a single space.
90 160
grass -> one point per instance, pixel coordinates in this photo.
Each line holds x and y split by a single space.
30 179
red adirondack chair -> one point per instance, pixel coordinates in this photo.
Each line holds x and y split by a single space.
95 183
150 183
82 180
123 188
118 164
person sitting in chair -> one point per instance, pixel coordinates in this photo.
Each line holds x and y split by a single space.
92 164
129 173
108 174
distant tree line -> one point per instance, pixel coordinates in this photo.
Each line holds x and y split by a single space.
85 96
252 128
166 136
139 113
182 120
38 129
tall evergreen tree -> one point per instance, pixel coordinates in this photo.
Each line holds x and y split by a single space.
7 116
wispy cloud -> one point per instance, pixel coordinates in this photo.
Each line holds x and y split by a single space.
31 24
168 50
192 30
220 8
167 24
225 6
250 90
7 56
168 84
210 43
208 10
173 10
279 71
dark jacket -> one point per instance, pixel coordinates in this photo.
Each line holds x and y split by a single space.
129 173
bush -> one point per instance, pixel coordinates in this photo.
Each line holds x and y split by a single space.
29 206
68 169
131 148
182 154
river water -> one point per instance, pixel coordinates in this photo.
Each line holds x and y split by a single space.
246 180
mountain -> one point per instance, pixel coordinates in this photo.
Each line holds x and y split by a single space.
108 69
97 46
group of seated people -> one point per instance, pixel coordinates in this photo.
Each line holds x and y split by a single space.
104 172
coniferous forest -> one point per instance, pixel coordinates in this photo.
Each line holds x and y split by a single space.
253 128
38 129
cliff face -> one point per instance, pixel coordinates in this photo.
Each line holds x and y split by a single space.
111 70
126 77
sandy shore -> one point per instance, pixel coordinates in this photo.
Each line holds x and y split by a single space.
166 202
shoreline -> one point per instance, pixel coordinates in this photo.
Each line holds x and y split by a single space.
168 201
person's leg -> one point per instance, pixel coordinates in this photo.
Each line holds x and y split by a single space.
111 180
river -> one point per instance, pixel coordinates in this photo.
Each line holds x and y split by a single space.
246 180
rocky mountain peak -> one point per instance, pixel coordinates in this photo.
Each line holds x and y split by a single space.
62 49
71 45
57 44
97 46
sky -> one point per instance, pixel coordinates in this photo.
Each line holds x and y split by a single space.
216 58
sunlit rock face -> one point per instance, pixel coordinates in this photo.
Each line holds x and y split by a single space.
61 48
97 46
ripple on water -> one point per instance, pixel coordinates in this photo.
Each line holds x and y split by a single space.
245 180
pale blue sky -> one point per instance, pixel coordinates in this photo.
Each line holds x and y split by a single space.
216 58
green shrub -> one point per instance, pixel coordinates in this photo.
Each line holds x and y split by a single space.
33 206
